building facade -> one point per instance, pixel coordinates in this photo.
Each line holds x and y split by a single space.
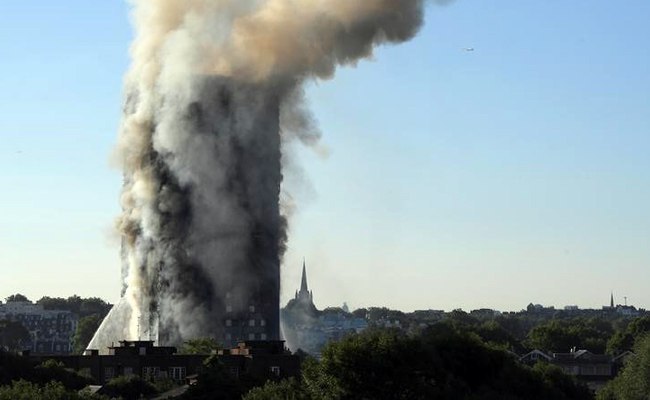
50 331
257 359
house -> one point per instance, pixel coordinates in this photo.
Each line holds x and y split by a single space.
593 369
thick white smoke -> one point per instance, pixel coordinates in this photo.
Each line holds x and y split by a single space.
200 143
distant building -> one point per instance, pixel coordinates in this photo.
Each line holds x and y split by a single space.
593 369
304 296
50 331
308 329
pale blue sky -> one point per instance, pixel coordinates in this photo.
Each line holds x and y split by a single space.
515 173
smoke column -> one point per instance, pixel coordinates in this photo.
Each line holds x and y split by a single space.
213 96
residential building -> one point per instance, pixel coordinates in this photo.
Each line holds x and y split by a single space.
50 331
258 359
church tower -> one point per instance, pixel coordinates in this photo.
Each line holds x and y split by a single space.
304 295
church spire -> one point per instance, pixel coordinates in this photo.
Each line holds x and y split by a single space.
611 300
303 283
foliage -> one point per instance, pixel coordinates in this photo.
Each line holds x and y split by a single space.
86 328
215 382
24 390
563 335
623 340
206 345
633 383
83 307
16 297
14 367
129 387
165 385
441 363
13 336
288 389
51 370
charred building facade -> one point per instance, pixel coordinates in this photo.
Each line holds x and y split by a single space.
234 232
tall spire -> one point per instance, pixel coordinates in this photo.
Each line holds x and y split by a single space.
611 300
303 283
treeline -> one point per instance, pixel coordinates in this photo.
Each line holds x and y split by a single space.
524 331
442 362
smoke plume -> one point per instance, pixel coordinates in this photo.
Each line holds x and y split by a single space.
213 95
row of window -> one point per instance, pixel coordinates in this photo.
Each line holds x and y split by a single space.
152 373
251 322
229 308
251 336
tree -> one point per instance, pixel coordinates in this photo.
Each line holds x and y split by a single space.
83 307
563 335
24 390
215 382
128 388
16 297
13 336
206 345
632 383
86 328
288 389
624 340
442 363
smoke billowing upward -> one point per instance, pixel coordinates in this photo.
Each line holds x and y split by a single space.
212 97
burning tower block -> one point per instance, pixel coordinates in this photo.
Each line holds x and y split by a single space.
206 261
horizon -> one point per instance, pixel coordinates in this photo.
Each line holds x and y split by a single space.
446 179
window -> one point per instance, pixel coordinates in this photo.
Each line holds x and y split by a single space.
251 322
263 336
228 307
228 336
128 371
262 322
143 351
251 308
234 371
251 336
275 370
228 322
177 373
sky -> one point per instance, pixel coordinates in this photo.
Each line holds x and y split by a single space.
518 172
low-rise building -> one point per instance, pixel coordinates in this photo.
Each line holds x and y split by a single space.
259 359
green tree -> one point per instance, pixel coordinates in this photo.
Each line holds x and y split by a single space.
16 297
215 382
13 335
633 383
24 390
206 345
86 328
83 307
562 335
443 363
623 340
288 389
129 388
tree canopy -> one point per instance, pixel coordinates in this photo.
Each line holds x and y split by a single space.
441 363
